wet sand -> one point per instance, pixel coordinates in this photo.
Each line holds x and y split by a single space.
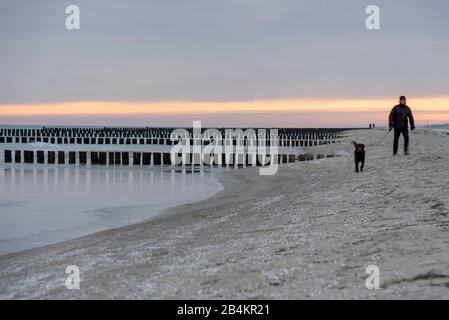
307 232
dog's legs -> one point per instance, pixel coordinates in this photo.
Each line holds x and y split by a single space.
356 167
362 166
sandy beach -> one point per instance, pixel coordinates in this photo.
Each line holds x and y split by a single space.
307 232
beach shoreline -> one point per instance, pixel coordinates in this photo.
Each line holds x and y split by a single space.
308 232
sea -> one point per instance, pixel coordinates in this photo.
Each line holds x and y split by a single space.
46 204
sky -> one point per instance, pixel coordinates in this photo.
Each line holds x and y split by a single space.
263 63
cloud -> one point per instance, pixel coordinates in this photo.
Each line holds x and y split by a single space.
203 50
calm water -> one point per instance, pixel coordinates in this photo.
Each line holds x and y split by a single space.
40 205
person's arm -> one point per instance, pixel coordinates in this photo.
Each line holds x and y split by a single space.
412 120
391 118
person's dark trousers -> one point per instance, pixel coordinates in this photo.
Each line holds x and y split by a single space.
397 135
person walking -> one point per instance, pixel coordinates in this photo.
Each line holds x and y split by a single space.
399 117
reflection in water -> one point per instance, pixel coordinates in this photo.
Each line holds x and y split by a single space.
41 205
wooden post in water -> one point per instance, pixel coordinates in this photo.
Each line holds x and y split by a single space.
18 156
51 157
146 159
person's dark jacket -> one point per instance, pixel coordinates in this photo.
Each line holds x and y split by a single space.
399 117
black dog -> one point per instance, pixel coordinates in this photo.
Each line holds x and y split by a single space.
359 156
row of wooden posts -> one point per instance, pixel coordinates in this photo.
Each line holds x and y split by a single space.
146 158
150 146
307 142
159 136
283 133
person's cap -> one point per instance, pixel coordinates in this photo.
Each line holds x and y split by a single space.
402 98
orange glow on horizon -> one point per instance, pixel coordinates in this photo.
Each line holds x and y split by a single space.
425 109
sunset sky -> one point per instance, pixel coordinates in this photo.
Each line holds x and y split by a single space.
228 63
